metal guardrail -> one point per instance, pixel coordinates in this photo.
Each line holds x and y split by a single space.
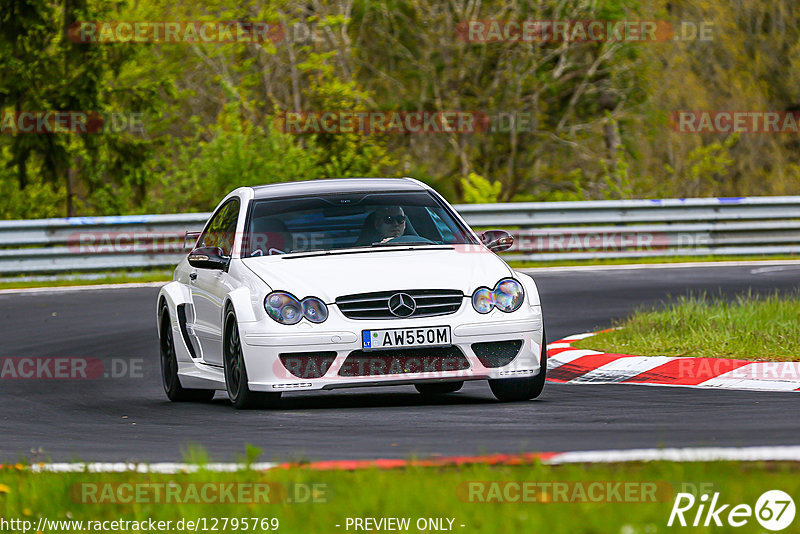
544 231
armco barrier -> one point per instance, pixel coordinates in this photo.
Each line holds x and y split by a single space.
544 231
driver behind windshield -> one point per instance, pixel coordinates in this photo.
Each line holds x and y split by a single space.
390 222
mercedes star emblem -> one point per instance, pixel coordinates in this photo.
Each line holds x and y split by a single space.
402 305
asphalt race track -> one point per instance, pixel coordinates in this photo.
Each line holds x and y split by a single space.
129 418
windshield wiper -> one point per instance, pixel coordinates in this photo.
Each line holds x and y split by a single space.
343 251
403 243
361 249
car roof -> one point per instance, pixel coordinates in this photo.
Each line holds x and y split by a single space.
336 185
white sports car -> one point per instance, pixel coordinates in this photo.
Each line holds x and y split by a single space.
343 283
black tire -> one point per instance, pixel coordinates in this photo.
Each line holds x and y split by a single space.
521 389
169 367
236 373
439 388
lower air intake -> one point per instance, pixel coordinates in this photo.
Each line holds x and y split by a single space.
403 361
308 364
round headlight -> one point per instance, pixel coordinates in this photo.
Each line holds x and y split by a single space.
283 308
508 295
483 300
314 309
290 314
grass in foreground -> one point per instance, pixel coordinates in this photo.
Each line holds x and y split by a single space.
749 328
412 493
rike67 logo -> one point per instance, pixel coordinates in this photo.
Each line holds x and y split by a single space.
774 510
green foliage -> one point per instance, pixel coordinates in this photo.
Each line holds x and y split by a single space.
617 182
36 200
237 153
479 190
42 70
342 154
570 190
706 165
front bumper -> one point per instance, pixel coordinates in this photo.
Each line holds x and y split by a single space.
339 337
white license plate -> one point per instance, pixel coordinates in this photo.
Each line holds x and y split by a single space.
436 336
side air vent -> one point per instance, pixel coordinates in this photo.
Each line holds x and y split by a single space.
497 353
184 331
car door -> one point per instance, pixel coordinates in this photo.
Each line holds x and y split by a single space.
210 286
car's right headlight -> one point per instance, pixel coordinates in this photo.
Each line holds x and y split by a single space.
286 309
507 296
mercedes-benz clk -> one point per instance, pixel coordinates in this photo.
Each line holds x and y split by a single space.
342 283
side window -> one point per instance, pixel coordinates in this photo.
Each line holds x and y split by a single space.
221 231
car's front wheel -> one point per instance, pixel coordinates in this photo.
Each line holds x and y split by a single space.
520 389
438 388
236 373
169 367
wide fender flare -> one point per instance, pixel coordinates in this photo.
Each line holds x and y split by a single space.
174 294
243 305
529 284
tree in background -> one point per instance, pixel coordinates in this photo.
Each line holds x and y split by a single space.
226 128
42 70
597 112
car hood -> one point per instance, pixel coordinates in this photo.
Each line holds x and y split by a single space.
334 275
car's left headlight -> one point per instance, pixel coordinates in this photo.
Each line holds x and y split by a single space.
507 296
286 309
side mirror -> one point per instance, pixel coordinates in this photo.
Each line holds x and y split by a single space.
191 236
208 258
497 240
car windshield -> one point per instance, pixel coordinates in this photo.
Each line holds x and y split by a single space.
342 221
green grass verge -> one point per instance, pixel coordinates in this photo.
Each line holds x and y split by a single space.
413 493
749 328
109 278
646 261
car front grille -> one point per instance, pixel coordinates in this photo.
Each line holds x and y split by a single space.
403 361
429 303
